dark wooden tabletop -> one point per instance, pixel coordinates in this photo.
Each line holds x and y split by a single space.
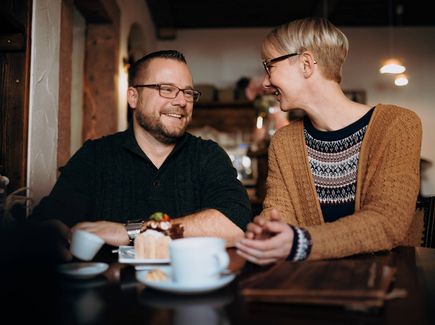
116 297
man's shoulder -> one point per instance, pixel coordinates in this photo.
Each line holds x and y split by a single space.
92 147
205 150
111 138
200 142
107 141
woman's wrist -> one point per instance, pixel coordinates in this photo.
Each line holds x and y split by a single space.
301 247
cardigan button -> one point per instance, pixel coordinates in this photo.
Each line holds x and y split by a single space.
156 183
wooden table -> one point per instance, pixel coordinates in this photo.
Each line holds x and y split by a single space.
117 298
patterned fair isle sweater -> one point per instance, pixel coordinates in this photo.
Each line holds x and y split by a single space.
387 184
333 158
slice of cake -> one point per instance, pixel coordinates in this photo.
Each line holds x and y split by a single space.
155 235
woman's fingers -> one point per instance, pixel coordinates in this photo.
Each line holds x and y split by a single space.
254 259
268 250
274 215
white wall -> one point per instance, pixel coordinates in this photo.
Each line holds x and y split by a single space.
222 56
77 73
43 97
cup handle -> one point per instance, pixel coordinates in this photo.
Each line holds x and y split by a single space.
223 260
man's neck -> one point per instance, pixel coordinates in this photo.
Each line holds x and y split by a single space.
155 150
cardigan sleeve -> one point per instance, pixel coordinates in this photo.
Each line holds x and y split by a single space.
390 187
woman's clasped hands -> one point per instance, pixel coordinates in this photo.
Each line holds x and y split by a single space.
267 239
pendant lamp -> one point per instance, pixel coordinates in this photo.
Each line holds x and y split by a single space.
393 65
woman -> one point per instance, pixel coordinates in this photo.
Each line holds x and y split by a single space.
343 180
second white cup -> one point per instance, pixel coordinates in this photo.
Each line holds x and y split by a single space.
198 260
85 245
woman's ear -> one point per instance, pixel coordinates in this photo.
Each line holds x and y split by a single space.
308 62
132 97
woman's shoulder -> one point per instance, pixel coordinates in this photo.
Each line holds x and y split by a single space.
393 112
395 119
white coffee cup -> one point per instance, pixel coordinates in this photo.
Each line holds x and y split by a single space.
85 245
198 260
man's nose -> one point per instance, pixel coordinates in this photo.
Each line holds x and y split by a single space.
180 99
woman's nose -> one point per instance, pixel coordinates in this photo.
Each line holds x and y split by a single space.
266 81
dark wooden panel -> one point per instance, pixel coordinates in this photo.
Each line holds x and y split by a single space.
96 11
14 89
14 15
13 117
65 75
12 42
101 61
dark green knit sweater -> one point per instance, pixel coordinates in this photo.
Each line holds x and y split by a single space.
112 179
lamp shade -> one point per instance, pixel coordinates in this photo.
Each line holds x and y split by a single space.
401 80
392 66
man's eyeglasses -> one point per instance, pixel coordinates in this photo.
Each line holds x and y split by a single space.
171 91
268 63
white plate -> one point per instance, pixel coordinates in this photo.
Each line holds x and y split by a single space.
82 270
126 255
171 286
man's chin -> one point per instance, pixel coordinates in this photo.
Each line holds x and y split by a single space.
169 138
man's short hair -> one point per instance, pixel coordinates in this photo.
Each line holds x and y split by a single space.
140 65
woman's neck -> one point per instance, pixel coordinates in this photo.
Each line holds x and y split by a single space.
329 109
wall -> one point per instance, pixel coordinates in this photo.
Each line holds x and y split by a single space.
43 97
234 53
132 12
78 67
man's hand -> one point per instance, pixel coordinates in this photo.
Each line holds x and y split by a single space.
112 233
60 233
267 239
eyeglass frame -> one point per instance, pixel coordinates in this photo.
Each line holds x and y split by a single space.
196 93
267 63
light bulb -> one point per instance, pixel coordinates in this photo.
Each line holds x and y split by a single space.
259 122
401 80
392 66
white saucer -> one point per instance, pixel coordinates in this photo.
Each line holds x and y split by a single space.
171 286
82 270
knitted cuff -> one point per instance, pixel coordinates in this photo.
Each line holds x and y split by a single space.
301 247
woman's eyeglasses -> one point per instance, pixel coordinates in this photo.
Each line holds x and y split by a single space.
268 63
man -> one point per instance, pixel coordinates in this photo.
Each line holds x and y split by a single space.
152 166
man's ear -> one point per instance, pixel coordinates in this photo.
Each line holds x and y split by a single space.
132 97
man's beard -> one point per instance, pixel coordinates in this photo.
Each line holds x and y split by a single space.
156 128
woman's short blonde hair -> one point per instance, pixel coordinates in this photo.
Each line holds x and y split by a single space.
327 43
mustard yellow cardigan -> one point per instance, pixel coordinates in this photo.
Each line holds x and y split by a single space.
388 182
